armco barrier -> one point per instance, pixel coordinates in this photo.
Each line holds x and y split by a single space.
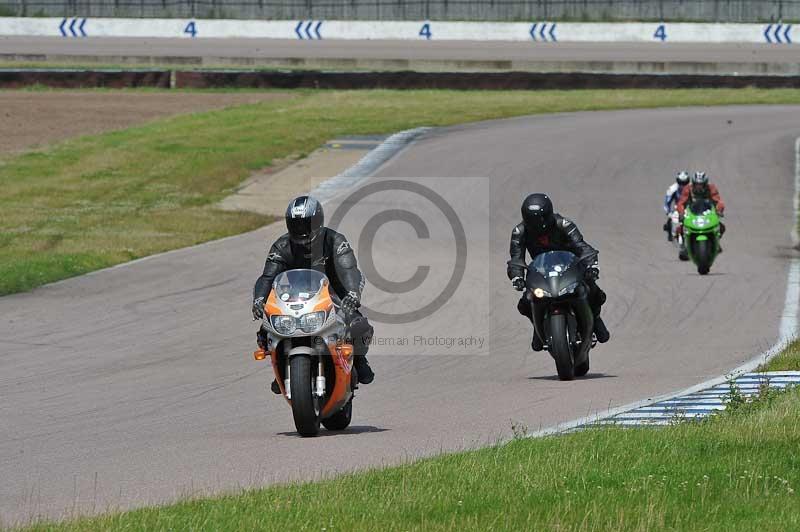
76 79
470 80
536 32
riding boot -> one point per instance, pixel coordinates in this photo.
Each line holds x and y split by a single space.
536 344
600 330
365 373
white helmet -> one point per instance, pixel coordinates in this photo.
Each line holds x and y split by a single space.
682 178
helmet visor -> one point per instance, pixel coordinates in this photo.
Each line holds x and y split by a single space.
537 221
302 230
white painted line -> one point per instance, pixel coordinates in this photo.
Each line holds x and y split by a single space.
368 165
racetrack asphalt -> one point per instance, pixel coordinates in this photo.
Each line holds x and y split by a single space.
137 385
170 49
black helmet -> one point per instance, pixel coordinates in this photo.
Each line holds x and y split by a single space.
537 212
682 178
304 219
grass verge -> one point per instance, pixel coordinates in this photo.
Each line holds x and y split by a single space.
101 200
787 360
736 471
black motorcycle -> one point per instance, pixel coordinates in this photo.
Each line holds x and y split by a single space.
563 319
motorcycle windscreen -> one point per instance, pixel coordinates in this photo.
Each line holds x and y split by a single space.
553 262
554 269
298 286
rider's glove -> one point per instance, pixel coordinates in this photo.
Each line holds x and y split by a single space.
591 274
350 303
258 308
519 283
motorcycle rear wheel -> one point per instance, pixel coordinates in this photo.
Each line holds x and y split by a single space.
582 369
341 419
304 411
560 348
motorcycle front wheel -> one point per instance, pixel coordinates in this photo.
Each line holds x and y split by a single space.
304 402
702 254
560 347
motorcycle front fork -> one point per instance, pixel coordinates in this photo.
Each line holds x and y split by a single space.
319 381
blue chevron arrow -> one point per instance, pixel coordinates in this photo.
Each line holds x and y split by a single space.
786 38
552 33
297 29
766 34
83 23
61 28
778 35
316 29
533 31
541 32
72 27
308 29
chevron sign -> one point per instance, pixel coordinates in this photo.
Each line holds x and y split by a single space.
543 32
68 28
778 34
308 30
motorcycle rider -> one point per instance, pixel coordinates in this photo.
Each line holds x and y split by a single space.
701 189
543 230
671 198
309 244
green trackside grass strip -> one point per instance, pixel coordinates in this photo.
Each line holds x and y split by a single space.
101 200
738 471
788 360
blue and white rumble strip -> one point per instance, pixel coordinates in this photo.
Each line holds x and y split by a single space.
703 403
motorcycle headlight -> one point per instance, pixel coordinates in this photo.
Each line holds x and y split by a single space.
284 324
539 293
313 321
568 289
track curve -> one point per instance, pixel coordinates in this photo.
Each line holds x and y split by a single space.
135 385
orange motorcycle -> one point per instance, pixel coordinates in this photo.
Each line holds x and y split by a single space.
312 357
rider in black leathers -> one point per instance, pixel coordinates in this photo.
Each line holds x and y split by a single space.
309 244
543 230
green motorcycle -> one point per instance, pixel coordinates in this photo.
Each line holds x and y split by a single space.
701 234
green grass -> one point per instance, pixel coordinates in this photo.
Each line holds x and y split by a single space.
738 471
788 360
100 200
